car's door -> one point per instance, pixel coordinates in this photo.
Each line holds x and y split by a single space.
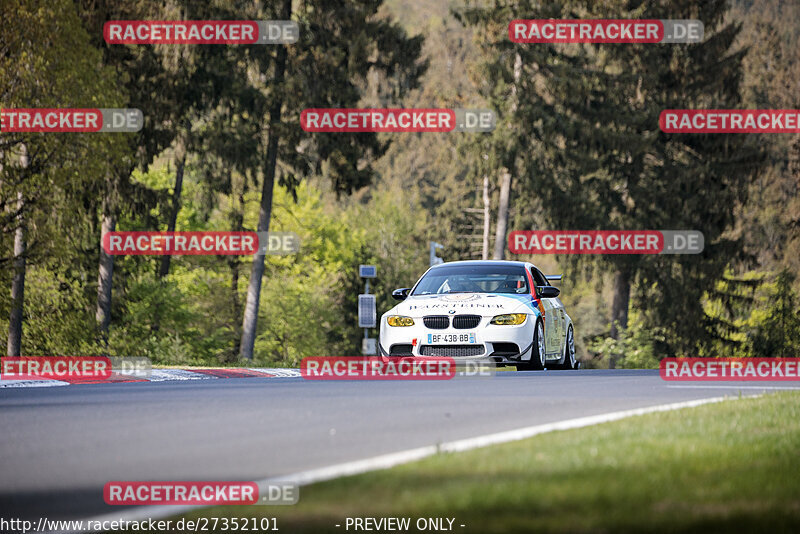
551 315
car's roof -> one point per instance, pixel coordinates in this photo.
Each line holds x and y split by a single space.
488 263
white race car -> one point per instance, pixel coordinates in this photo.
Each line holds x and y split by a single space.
506 311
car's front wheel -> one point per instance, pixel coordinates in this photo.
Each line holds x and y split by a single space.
537 361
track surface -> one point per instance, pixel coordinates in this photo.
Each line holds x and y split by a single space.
60 445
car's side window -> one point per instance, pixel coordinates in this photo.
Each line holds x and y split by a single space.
538 278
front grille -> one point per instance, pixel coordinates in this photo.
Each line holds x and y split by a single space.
400 350
452 351
436 322
466 321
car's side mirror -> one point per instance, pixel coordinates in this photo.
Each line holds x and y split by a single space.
401 294
548 292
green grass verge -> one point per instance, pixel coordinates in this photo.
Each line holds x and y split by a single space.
727 467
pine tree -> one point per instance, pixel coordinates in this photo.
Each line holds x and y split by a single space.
592 156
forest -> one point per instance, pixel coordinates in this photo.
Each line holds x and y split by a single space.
577 145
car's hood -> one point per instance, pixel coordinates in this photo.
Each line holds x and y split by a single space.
484 304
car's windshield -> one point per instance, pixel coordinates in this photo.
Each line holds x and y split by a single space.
473 279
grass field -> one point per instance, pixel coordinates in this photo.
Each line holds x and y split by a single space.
727 467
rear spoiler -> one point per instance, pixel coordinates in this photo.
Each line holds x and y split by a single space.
553 277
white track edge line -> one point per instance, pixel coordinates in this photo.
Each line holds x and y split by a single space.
762 388
386 461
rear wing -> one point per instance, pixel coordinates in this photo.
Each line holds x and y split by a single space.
553 276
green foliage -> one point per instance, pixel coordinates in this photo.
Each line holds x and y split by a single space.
579 132
308 299
777 323
585 302
777 331
756 314
56 314
635 348
302 294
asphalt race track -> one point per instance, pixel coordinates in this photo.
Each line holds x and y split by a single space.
60 445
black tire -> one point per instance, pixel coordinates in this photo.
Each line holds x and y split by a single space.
535 363
570 359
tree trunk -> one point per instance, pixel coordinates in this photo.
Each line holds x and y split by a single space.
105 276
250 320
237 305
180 163
619 304
505 180
18 283
237 222
163 268
486 218
502 216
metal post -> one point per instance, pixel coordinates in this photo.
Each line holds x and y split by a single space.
366 292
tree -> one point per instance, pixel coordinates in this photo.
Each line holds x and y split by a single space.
599 161
340 44
778 334
161 90
46 60
497 73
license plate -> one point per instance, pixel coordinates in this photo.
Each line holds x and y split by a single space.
457 339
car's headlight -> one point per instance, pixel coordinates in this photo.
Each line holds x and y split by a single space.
399 320
508 319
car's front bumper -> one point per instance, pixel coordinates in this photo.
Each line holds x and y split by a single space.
503 344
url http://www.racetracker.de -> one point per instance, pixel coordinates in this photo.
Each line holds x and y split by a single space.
201 524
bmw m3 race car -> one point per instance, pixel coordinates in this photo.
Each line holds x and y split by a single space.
506 311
